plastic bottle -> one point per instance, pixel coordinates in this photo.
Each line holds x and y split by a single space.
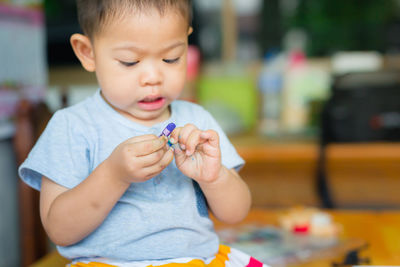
294 111
270 86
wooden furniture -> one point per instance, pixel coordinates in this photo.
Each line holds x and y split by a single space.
282 174
380 230
229 31
279 174
364 175
31 119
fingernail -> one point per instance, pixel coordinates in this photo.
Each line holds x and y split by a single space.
188 153
183 147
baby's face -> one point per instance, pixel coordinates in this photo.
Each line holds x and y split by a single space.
140 63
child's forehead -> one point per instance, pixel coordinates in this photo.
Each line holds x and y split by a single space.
118 17
143 30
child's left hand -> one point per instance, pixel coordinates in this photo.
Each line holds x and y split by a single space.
197 153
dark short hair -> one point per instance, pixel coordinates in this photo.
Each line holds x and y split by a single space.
94 14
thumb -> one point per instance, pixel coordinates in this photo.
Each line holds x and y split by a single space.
179 154
177 149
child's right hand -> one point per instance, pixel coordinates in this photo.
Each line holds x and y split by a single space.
140 158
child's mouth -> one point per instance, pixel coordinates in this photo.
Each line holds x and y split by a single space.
152 103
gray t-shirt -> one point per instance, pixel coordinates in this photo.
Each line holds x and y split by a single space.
162 218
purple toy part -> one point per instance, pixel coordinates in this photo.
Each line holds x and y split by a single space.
168 130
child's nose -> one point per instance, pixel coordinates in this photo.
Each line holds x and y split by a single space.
151 75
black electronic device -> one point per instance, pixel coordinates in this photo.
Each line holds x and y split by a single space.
363 107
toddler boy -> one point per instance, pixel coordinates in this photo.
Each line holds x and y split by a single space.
112 190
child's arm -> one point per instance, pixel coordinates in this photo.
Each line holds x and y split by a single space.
69 215
200 158
228 196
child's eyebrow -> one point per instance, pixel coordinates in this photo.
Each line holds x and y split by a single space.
170 47
142 50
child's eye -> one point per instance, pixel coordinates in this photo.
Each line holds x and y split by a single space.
170 61
129 64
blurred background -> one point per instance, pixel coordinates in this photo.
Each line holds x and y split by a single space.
308 92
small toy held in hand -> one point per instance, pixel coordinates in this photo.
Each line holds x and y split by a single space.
167 131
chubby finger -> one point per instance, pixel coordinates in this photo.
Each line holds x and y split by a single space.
141 138
159 166
147 147
185 133
177 148
192 141
152 158
174 137
212 137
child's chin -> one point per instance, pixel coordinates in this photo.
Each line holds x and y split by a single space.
153 114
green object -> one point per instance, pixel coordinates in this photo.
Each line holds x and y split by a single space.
231 100
52 8
343 25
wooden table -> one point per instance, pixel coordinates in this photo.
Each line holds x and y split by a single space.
380 230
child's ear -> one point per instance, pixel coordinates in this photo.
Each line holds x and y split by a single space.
190 31
83 49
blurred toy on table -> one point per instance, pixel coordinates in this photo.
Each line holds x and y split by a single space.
309 221
298 236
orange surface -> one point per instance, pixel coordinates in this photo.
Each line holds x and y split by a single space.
380 230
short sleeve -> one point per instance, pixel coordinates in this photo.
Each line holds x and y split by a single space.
61 154
230 157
